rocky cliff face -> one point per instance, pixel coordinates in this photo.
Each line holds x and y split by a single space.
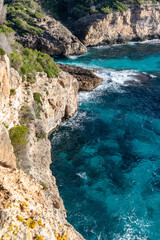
3 10
55 40
140 22
87 79
30 206
7 157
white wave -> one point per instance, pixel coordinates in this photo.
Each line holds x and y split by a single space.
82 175
74 57
134 229
120 77
100 47
76 122
152 76
112 82
153 41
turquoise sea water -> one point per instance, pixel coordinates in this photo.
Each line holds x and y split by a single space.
106 159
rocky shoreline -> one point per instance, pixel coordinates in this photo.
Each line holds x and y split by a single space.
140 22
87 79
31 207
40 116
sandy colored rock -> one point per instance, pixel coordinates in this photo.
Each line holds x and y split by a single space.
7 157
38 190
24 212
140 22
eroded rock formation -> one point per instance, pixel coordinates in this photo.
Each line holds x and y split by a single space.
87 79
55 40
3 10
30 205
139 23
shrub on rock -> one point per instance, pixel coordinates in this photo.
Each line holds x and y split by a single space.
18 136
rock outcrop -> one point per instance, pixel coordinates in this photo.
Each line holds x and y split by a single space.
3 10
87 79
140 22
56 39
7 157
32 208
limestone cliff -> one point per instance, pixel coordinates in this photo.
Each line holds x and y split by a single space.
56 39
139 23
3 10
7 157
30 206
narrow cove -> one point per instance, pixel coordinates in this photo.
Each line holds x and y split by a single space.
106 159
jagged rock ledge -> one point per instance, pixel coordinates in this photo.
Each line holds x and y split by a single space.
139 23
87 79
30 206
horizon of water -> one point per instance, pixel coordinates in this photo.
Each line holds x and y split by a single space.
106 159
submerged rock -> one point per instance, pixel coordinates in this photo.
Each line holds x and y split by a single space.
87 79
139 23
143 77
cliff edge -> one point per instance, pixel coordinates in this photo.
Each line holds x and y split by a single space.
138 23
56 39
30 206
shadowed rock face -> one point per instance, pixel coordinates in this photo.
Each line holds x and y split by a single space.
140 22
55 40
87 79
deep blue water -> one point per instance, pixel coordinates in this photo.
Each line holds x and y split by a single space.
106 159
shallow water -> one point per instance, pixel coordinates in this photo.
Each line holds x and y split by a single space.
106 159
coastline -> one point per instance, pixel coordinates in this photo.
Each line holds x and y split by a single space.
138 23
31 207
57 101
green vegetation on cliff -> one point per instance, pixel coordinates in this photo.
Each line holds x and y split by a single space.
2 52
37 97
12 92
18 136
6 30
22 16
27 62
64 9
26 115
